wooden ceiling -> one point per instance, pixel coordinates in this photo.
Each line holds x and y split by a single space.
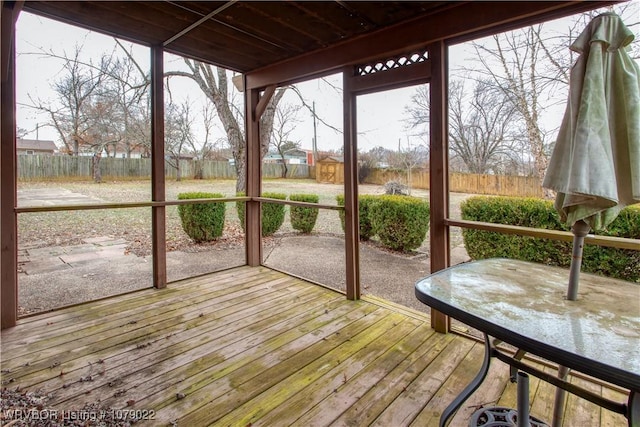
249 35
238 35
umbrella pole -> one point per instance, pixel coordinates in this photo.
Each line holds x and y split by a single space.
580 229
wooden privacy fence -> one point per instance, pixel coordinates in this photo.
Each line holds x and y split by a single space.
501 185
43 167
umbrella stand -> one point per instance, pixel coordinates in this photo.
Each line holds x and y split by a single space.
580 229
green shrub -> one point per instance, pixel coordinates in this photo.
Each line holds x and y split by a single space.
364 206
272 213
202 222
303 218
535 213
400 222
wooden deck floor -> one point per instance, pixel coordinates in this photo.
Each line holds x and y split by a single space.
251 346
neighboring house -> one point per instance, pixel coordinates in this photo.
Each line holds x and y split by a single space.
136 152
224 155
35 146
272 157
183 156
116 151
291 157
303 157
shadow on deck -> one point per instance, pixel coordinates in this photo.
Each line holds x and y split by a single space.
252 346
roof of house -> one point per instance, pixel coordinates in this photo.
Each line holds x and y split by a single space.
332 159
298 152
35 144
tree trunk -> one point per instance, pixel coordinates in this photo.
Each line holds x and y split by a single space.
199 172
238 145
217 91
97 175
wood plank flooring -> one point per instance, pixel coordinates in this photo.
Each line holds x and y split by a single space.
255 347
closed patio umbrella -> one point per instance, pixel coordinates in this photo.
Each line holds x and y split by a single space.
595 165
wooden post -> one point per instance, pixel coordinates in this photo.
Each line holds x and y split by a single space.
352 219
158 217
439 173
8 195
253 228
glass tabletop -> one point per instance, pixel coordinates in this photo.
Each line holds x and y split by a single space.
524 304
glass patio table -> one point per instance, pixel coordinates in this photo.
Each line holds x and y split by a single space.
523 304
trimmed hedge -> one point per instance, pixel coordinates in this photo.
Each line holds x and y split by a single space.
272 213
303 218
202 222
364 206
535 213
400 222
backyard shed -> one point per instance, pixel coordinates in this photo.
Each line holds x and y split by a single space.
330 170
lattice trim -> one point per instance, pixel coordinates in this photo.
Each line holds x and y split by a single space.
391 63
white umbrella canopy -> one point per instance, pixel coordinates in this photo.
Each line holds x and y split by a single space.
595 165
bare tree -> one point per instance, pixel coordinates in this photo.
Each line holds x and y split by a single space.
418 112
178 134
409 156
69 113
214 83
113 91
370 160
531 67
481 130
285 120
203 148
103 131
21 132
415 154
518 55
129 88
482 133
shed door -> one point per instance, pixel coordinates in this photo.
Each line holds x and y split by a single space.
328 172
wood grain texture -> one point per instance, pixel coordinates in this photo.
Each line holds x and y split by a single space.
252 346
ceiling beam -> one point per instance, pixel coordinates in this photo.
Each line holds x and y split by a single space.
198 22
481 18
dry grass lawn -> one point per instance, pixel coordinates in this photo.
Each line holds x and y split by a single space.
134 225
